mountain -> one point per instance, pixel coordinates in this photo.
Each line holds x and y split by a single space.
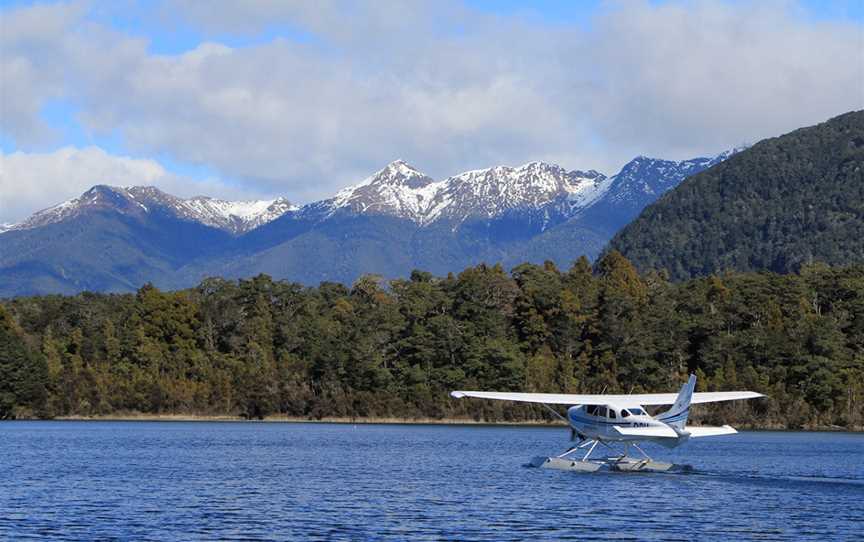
782 203
400 219
116 239
396 220
235 217
641 182
401 191
397 190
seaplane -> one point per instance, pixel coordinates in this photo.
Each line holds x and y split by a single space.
608 419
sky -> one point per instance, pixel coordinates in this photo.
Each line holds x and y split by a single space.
267 98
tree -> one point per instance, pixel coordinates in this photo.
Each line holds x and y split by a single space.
23 372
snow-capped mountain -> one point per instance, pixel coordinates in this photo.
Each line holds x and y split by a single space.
537 188
489 193
651 177
396 220
236 217
640 183
397 190
402 191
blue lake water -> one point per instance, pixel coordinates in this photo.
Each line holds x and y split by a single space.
283 481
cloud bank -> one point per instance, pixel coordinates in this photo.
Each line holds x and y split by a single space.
326 92
34 181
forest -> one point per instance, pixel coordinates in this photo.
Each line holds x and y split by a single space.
382 349
783 203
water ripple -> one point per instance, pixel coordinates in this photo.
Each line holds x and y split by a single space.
226 481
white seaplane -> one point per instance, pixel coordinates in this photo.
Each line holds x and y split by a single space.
604 419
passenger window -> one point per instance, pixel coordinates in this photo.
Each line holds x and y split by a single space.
624 413
612 414
601 412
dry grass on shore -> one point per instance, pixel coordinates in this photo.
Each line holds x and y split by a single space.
138 416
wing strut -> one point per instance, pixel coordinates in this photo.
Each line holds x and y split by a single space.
555 412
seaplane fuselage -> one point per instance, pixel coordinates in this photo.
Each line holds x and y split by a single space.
599 422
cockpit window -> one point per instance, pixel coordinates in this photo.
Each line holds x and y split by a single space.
591 410
601 411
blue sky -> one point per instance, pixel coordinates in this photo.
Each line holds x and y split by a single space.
266 98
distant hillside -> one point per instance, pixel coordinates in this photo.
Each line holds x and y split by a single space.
784 202
102 251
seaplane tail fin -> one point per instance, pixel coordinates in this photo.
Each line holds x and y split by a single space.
677 415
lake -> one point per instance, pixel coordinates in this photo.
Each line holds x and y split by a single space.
288 481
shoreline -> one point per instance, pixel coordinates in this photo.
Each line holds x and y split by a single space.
135 417
140 417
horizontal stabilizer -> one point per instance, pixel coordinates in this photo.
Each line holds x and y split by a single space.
646 432
705 431
620 400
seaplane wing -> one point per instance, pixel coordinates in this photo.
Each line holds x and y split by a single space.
704 431
647 432
632 400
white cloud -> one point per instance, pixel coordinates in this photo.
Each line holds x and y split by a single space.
30 70
437 84
680 79
32 181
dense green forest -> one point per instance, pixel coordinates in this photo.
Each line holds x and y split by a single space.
260 347
782 203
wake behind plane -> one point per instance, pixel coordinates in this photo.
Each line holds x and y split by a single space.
605 419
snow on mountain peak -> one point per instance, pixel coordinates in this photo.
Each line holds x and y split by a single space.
401 190
399 171
490 192
398 189
233 216
99 196
646 176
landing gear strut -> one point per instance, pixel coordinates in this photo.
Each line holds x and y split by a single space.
627 450
619 462
592 442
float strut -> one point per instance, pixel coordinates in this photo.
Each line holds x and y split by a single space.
643 451
591 449
626 450
568 452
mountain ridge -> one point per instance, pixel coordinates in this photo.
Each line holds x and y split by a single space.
395 220
236 217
